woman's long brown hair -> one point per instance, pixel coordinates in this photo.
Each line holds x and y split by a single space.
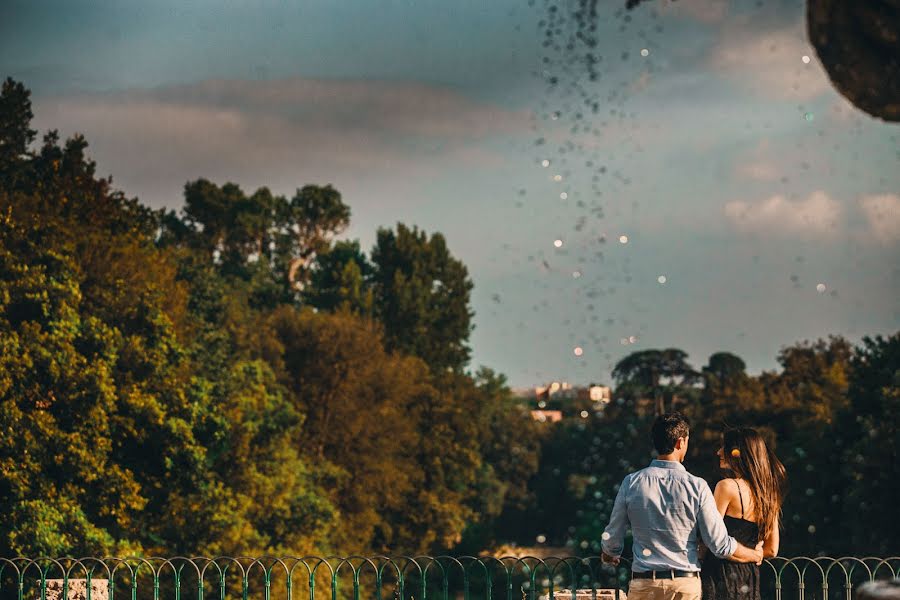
760 468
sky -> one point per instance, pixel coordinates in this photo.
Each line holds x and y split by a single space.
708 190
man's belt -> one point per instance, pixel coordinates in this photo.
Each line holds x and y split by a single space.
668 574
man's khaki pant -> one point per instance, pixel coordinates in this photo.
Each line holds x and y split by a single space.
680 588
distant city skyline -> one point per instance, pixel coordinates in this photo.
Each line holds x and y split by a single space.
721 196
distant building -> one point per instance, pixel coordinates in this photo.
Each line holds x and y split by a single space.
563 390
600 393
547 416
558 399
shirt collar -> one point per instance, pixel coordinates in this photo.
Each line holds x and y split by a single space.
667 464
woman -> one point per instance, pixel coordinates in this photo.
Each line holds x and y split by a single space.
750 502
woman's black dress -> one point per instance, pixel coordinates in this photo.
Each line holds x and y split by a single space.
726 580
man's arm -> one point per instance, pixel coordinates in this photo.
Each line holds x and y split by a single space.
614 535
743 554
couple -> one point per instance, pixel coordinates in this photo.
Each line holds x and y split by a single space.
672 513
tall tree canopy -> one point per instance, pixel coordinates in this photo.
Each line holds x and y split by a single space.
422 297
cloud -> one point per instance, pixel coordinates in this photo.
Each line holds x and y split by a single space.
816 215
282 133
769 63
882 212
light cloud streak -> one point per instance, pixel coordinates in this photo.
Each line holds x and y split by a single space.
817 215
282 133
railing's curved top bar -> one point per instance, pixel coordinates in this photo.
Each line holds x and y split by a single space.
385 577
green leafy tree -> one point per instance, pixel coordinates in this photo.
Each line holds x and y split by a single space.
315 215
341 280
357 400
110 442
60 488
16 134
869 432
422 297
662 376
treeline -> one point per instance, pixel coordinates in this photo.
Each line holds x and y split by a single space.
832 413
227 378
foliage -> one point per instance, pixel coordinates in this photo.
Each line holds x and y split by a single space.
422 297
167 386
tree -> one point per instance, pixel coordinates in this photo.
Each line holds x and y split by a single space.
723 367
665 376
869 432
60 488
801 405
341 280
316 214
111 440
360 420
16 134
422 297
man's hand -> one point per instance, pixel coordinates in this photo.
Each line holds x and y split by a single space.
614 560
743 554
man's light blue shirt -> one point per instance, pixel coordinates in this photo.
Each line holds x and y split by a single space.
669 511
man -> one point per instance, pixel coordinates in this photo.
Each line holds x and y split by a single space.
669 511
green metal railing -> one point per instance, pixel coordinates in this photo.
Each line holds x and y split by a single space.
395 578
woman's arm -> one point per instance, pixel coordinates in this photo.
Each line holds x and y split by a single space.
770 544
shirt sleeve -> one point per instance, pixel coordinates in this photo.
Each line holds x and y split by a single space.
614 535
712 527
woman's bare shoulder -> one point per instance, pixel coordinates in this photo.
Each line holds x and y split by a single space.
726 486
